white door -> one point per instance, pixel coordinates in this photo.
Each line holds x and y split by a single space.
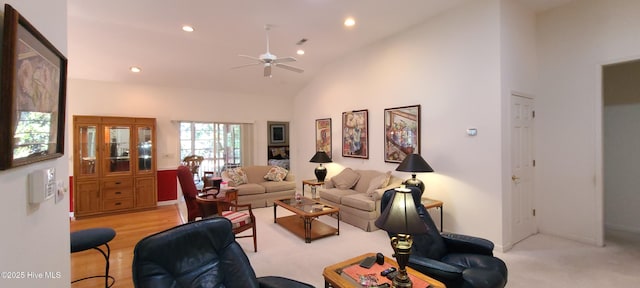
522 163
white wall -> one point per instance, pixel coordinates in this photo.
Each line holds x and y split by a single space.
518 75
35 238
622 172
450 66
166 104
574 41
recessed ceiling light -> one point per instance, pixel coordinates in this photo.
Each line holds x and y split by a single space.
349 22
187 28
300 52
135 69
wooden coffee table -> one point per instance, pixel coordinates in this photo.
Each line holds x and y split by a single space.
303 223
336 274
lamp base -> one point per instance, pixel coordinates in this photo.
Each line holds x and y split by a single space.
415 182
321 173
401 244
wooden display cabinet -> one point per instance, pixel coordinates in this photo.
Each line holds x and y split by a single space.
114 164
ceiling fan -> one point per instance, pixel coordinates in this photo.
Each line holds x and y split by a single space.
269 60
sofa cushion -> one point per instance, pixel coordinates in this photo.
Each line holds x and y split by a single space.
255 173
276 173
237 176
250 189
273 186
359 201
334 195
345 179
378 182
365 178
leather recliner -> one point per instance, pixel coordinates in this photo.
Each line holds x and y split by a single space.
198 254
453 259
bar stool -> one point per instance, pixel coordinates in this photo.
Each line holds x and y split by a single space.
92 239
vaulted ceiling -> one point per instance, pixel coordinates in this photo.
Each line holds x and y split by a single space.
106 38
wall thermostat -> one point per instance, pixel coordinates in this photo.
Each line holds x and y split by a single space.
42 185
472 131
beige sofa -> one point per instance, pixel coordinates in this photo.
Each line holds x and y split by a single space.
260 192
359 203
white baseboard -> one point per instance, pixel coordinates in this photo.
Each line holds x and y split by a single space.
167 203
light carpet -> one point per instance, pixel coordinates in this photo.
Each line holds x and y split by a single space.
538 261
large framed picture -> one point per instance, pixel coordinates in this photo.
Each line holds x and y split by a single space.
355 134
401 132
278 133
323 135
32 102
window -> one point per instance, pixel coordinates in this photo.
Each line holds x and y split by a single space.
223 145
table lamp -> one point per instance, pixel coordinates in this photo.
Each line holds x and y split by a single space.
401 218
320 157
414 163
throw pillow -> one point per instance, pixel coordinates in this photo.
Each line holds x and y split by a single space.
378 182
238 176
276 173
346 179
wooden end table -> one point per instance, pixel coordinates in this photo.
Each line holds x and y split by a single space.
432 203
334 275
314 183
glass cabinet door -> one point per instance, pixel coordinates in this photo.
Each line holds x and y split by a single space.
87 150
145 146
117 155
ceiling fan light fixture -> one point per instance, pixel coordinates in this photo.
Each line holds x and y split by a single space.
268 60
135 69
300 52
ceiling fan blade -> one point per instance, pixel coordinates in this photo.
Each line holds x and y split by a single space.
246 65
251 57
290 68
284 60
267 70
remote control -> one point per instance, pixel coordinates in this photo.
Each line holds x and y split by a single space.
387 271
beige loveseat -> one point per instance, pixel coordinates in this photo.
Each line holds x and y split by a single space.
260 192
357 193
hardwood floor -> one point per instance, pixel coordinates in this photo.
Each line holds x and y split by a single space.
130 228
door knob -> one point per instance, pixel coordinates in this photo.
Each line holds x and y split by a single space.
515 178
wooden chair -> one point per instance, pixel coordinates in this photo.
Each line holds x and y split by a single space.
241 216
193 162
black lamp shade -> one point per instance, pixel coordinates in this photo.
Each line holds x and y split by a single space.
320 157
401 215
414 163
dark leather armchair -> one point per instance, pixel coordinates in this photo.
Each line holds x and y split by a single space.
453 259
198 254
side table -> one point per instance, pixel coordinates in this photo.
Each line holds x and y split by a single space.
314 183
432 203
335 275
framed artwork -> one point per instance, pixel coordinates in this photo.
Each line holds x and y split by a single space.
323 135
401 132
355 134
278 133
32 101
